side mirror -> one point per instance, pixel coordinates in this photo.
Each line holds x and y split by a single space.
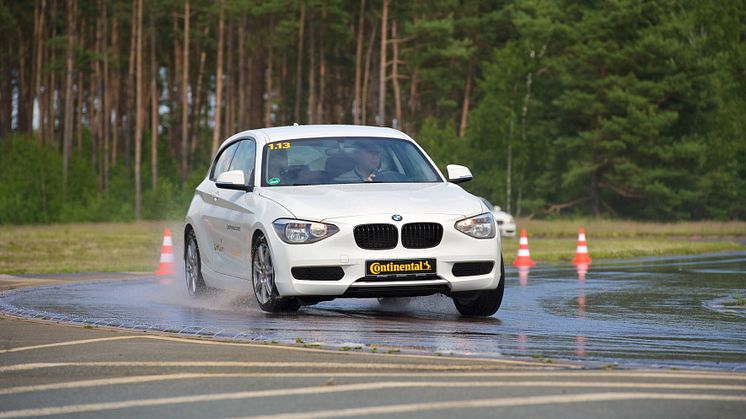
458 174
496 208
233 179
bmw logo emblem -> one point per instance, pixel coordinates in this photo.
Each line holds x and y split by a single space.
396 217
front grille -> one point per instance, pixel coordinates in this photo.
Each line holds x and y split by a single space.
376 236
472 268
421 235
318 273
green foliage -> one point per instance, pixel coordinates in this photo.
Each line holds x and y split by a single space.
631 109
623 108
31 190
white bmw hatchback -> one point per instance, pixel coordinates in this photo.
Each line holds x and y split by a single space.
304 214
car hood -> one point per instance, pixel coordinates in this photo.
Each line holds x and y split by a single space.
319 202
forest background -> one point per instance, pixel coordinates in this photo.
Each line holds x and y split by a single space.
111 109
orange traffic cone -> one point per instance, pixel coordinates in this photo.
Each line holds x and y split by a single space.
524 257
166 265
581 255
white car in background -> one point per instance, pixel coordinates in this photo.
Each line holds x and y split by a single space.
505 221
304 214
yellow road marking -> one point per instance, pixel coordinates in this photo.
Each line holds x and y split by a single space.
184 376
255 345
68 343
96 407
501 402
243 364
476 370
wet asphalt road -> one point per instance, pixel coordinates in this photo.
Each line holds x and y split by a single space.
648 314
651 313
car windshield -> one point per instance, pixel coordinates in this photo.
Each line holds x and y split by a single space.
324 161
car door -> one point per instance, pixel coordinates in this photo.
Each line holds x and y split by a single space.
212 244
237 216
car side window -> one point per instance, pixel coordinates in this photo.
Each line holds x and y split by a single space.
223 161
244 159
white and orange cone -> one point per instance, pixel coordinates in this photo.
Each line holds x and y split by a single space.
524 257
166 265
581 254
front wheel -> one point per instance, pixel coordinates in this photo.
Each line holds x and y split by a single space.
193 267
263 278
481 303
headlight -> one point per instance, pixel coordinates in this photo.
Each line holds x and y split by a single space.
480 226
298 231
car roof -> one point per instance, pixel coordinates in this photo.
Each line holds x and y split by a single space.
313 131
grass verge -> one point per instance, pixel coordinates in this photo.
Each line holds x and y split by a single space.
127 247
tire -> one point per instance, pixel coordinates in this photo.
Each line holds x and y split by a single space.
263 281
481 303
193 266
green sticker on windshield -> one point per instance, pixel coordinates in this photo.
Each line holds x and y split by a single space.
273 181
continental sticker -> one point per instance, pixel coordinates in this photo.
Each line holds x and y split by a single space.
400 267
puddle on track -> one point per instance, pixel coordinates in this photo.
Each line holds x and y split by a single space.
649 312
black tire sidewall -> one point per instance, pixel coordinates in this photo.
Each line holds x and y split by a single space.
482 303
200 282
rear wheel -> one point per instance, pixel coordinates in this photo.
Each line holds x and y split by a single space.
263 279
193 266
481 303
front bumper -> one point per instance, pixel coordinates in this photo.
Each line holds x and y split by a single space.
341 250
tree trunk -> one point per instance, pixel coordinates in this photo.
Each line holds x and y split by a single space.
22 108
51 84
197 98
97 93
358 64
366 75
38 49
129 112
153 108
311 105
280 99
322 70
68 126
79 91
509 165
115 94
185 98
243 86
230 91
139 114
268 102
219 81
467 95
174 96
395 76
79 113
413 93
299 65
106 112
6 87
382 65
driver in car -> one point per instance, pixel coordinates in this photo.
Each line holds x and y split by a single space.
277 167
367 163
